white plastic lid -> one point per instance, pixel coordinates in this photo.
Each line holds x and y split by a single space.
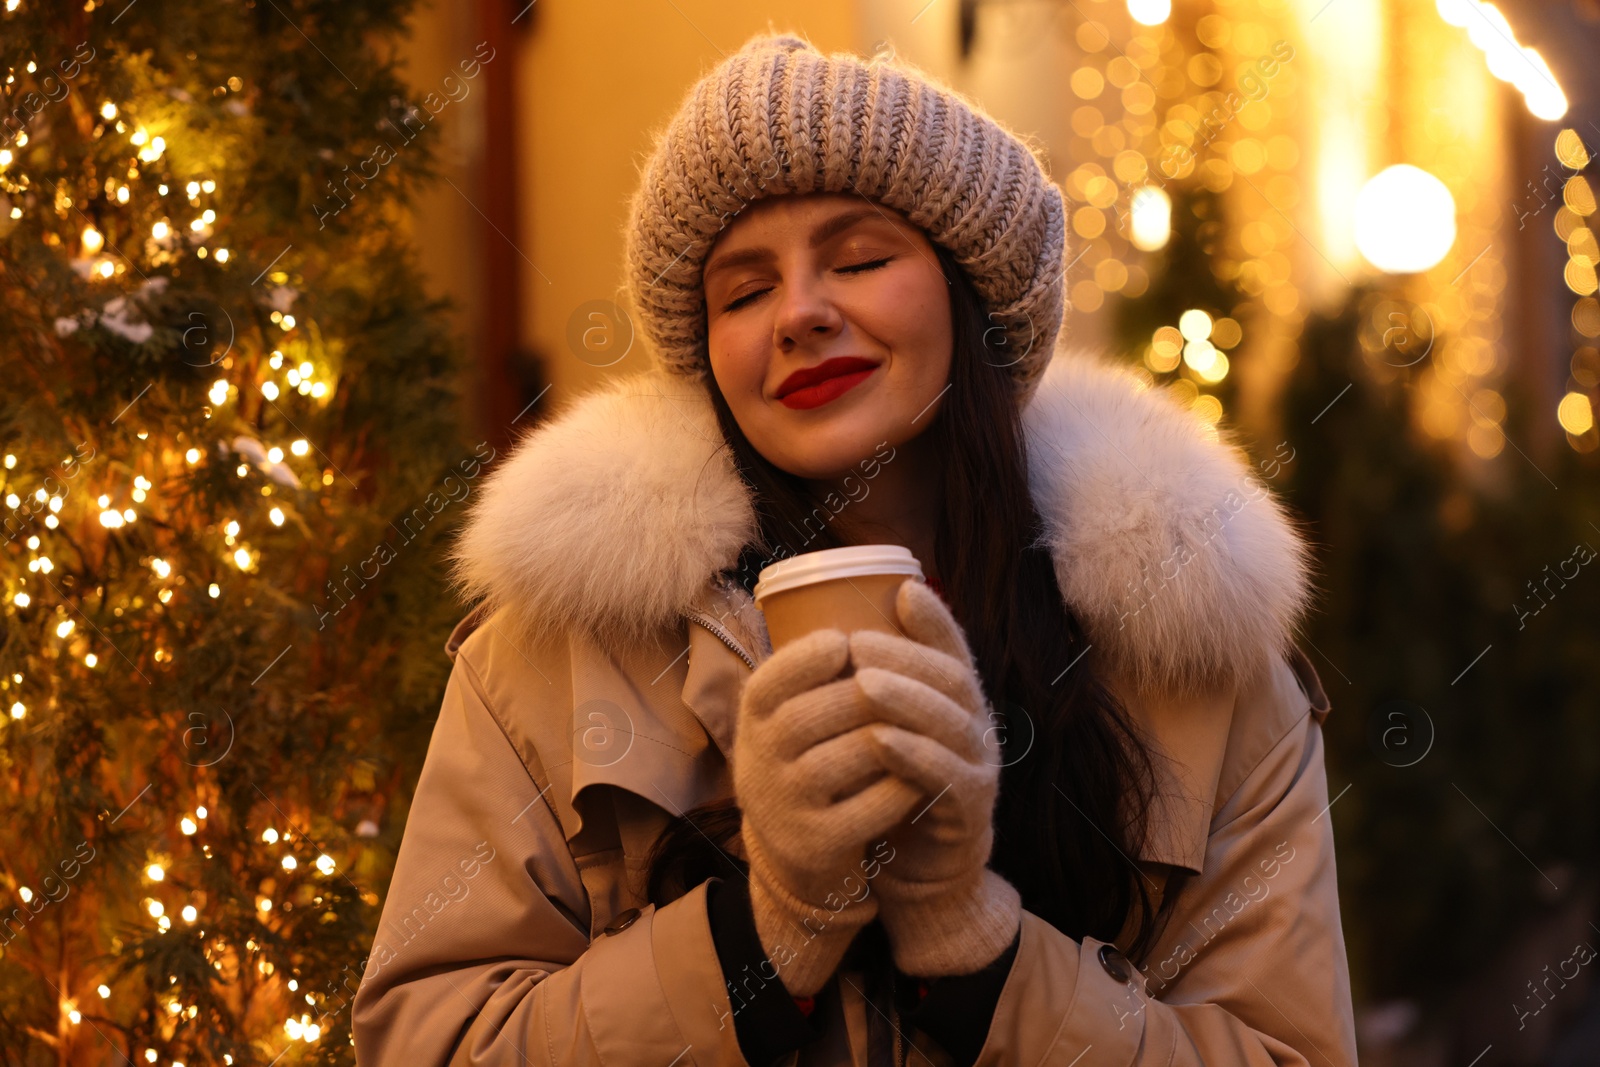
830 563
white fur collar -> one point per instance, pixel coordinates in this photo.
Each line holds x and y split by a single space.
1184 570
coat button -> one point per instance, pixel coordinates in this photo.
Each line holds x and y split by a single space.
622 920
1114 962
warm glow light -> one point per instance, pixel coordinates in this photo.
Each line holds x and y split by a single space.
242 559
1575 414
1405 220
1195 325
1507 60
300 447
187 825
155 872
1150 12
1152 218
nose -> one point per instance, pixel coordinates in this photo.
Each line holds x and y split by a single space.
806 314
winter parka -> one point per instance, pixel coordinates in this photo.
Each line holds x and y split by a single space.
594 695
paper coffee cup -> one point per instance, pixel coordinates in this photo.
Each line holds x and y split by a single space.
844 588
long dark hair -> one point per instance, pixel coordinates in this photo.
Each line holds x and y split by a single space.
1077 777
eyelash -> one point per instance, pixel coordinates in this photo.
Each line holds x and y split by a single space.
855 268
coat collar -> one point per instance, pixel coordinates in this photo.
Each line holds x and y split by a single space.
1185 571
610 522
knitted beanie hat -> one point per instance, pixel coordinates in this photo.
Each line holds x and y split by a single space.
778 117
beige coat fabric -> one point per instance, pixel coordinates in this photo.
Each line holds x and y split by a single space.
515 930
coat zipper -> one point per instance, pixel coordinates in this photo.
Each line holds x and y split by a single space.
723 635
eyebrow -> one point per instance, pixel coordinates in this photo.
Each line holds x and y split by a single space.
826 229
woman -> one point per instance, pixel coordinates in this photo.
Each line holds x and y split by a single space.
1076 814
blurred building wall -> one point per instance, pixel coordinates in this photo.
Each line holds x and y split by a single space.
443 222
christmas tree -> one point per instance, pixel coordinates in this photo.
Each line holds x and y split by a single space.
231 455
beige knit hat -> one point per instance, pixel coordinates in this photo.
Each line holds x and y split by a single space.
778 117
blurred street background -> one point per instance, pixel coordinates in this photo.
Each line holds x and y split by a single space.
281 279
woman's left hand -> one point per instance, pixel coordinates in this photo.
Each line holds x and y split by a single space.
945 912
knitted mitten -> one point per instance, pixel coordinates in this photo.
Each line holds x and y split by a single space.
945 912
813 794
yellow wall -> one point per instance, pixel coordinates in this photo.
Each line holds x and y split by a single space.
443 222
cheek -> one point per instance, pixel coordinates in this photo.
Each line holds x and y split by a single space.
912 316
738 359
739 363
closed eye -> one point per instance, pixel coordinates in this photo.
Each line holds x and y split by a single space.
854 268
860 268
744 299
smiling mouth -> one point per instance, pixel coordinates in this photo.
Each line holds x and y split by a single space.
812 387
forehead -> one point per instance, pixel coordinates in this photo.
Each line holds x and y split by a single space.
799 214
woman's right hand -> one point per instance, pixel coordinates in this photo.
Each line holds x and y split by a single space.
814 794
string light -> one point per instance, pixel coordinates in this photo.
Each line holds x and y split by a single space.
1518 64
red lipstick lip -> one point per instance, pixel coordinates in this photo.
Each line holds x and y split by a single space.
828 368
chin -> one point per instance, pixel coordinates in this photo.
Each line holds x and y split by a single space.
823 452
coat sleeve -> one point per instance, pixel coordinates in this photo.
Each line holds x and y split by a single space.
482 956
1250 970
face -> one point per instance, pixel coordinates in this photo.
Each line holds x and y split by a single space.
828 321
